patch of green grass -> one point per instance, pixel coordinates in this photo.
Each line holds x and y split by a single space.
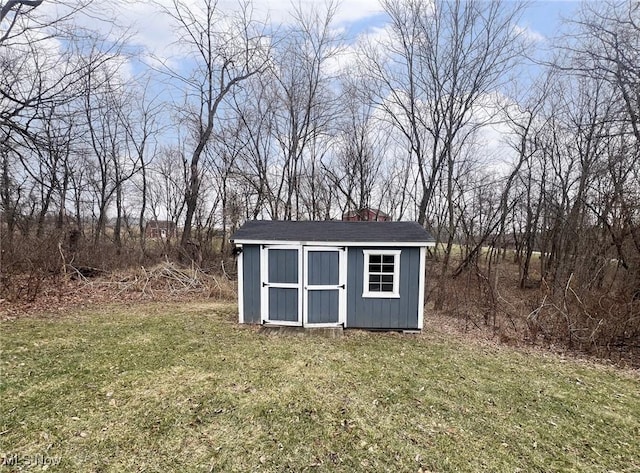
155 387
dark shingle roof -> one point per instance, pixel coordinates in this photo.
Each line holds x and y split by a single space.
332 231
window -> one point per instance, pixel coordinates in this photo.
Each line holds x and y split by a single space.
381 273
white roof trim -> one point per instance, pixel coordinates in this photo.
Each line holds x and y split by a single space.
376 244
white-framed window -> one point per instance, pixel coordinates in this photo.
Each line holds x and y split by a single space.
381 273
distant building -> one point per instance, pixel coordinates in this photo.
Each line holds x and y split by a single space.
366 215
161 229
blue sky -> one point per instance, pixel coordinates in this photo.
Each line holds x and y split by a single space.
354 16
542 18
545 17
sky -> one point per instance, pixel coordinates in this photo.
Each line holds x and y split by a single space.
542 17
542 20
152 30
545 17
151 33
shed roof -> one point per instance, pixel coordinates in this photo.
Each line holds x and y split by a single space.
332 231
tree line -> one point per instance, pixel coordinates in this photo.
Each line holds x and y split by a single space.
249 119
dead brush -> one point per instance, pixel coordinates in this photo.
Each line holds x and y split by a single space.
165 280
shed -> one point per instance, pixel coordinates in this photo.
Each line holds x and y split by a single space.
366 275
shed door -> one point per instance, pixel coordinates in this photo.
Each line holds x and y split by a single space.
281 297
324 286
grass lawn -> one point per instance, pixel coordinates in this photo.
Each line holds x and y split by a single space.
182 387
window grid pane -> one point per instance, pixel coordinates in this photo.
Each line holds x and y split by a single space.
381 273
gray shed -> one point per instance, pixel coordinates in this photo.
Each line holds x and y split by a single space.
331 273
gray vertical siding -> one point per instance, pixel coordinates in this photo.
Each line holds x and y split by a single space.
383 313
323 306
252 285
323 268
401 313
283 304
283 266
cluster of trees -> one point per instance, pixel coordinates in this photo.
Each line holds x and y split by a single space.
296 122
283 124
575 194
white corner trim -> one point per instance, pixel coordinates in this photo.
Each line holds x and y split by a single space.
264 290
342 262
301 273
240 262
421 281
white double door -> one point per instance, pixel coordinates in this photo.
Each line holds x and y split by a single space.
303 285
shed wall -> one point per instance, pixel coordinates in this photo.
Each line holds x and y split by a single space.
252 285
383 313
371 313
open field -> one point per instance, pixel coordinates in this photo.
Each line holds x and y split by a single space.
181 387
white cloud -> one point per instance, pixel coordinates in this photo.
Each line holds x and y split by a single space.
530 34
348 55
348 10
153 32
357 10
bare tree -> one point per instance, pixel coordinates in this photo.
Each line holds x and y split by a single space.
607 45
141 128
168 180
441 61
47 161
255 107
434 77
356 172
105 107
34 71
12 190
223 51
303 99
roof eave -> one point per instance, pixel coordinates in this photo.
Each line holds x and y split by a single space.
249 241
